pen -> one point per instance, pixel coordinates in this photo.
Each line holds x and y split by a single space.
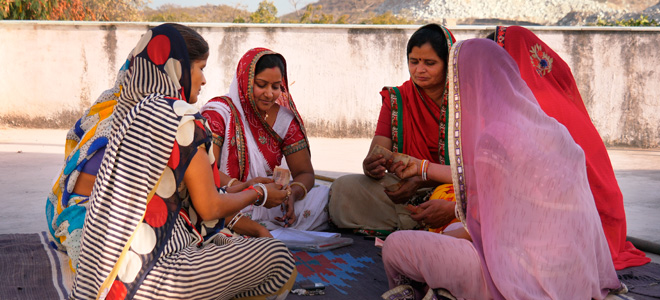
283 208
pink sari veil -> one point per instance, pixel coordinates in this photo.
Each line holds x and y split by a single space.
521 184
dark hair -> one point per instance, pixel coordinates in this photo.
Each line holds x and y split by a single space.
432 34
269 61
491 36
197 46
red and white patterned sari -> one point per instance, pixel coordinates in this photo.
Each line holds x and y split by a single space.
250 147
253 150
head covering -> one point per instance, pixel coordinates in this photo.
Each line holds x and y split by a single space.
136 198
521 185
246 150
415 117
159 64
553 85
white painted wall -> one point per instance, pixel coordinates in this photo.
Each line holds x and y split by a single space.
51 71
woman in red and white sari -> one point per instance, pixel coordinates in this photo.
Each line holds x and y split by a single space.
256 125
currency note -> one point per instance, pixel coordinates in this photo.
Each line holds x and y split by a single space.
378 149
390 182
281 176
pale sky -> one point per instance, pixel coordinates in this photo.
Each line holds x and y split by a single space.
283 6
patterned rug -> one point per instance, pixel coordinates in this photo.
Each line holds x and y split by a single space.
30 269
351 272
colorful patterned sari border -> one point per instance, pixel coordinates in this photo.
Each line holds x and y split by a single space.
454 147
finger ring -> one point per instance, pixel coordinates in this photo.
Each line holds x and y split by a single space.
423 224
288 193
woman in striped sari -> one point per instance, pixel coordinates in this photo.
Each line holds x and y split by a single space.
154 205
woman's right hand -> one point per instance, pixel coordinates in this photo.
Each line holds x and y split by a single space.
276 195
374 166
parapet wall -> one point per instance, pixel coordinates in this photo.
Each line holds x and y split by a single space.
51 71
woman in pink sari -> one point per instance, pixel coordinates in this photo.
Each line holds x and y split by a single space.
554 87
522 194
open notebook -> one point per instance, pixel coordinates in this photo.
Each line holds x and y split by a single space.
312 241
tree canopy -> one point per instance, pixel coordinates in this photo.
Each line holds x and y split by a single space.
641 21
265 13
74 10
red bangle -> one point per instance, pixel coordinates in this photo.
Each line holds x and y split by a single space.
421 167
259 194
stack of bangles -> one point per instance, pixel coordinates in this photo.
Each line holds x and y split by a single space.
264 193
233 221
423 169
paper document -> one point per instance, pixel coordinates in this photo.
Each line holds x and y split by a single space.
313 241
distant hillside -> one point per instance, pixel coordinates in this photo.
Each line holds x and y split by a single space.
544 12
356 10
204 13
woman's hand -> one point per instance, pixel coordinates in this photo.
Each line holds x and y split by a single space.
374 166
433 213
246 226
289 215
239 186
276 195
409 170
256 180
408 189
263 232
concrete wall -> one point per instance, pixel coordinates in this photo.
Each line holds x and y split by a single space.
51 71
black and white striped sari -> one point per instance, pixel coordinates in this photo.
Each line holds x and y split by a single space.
139 239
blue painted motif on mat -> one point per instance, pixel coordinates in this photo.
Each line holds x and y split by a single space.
329 268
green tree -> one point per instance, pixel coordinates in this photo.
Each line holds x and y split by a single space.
314 15
641 21
265 13
342 20
26 9
387 18
239 19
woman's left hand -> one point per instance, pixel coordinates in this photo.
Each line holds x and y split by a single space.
407 171
434 213
256 180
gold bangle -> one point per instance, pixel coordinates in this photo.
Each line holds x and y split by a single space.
302 186
231 182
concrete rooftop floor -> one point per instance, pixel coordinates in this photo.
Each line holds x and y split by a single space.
31 158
